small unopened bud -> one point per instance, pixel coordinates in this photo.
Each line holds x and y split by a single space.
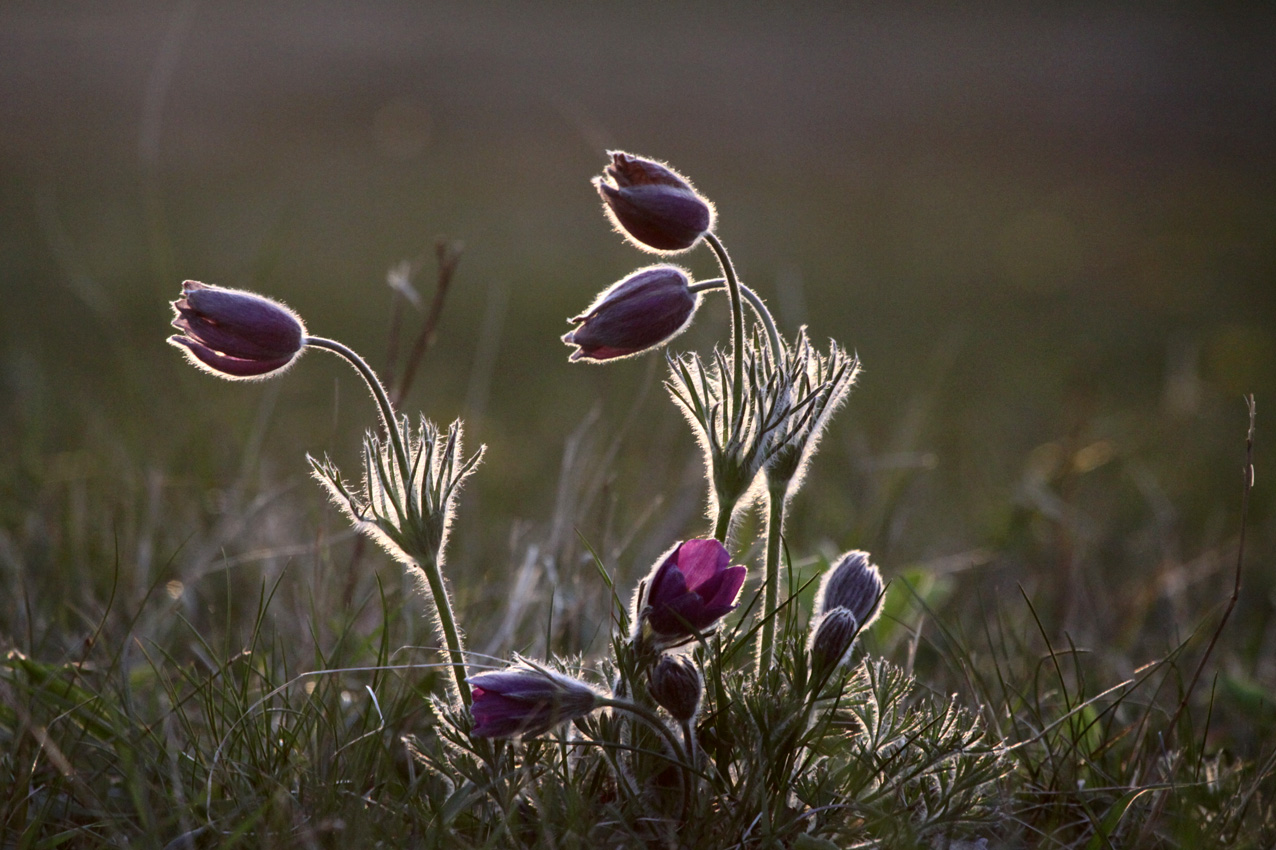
676 685
831 640
644 310
235 334
854 584
654 206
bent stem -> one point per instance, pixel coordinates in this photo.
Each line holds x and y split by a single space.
771 579
652 719
388 418
755 301
427 562
737 323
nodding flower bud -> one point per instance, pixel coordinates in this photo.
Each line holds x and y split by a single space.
235 334
526 700
689 590
644 310
676 685
831 639
653 205
854 584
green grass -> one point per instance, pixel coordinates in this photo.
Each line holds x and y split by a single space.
280 698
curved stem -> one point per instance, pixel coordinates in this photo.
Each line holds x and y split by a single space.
652 719
388 418
755 301
771 580
429 564
737 323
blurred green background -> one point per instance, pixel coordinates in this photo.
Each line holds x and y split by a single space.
1050 234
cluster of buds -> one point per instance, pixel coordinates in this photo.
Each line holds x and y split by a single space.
848 601
659 211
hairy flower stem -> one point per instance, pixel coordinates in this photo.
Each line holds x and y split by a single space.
755 301
771 577
648 716
378 394
737 322
428 562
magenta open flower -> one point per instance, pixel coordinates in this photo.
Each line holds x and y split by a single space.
689 591
526 700
235 334
644 310
654 206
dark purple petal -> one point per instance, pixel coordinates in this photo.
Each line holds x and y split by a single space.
726 588
667 582
526 701
629 170
645 310
652 204
271 325
233 368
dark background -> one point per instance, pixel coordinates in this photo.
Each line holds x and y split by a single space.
1049 234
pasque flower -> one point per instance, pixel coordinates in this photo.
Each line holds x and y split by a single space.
690 589
854 583
654 206
832 636
526 700
235 334
676 685
644 310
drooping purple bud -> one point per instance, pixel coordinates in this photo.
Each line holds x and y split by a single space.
831 639
644 310
235 334
854 584
526 700
654 206
676 685
689 590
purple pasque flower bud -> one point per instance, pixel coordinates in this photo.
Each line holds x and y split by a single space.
235 334
690 590
832 636
644 310
654 206
676 685
526 700
855 584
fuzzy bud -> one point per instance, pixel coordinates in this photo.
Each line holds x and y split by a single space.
653 205
644 310
854 584
526 700
831 639
234 334
676 685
